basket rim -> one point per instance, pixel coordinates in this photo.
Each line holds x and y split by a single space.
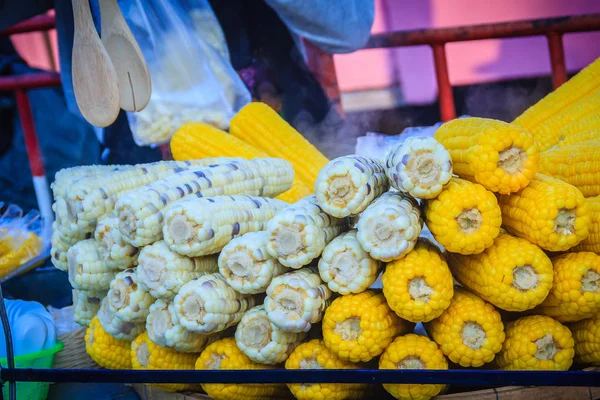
38 354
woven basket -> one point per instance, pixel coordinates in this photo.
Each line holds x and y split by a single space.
73 355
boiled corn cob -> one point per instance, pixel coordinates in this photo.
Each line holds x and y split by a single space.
262 341
162 272
65 177
86 270
69 231
296 300
512 273
465 218
129 301
115 327
225 355
314 355
209 305
348 184
586 335
112 248
86 305
549 213
246 265
575 293
201 226
419 167
469 332
105 350
592 242
358 327
58 251
140 211
299 232
345 267
413 352
536 343
419 287
388 229
582 136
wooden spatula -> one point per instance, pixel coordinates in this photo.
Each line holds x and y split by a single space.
127 58
94 77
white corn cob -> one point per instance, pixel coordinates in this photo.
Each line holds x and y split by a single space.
346 267
246 265
298 233
201 226
58 252
113 250
262 341
140 211
65 177
419 167
162 272
70 233
86 270
86 305
164 330
209 305
116 327
127 299
297 299
388 229
348 184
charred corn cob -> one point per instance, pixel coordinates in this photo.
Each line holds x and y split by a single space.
469 332
549 213
348 184
296 300
575 293
418 287
419 167
358 327
129 301
465 218
299 232
592 242
345 267
246 265
413 352
536 342
502 157
86 305
582 136
388 229
112 248
105 350
586 335
262 341
512 273
86 270
225 355
115 327
314 355
141 211
162 272
209 305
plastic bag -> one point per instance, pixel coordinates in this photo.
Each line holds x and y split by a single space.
20 239
192 78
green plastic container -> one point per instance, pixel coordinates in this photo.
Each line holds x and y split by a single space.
42 359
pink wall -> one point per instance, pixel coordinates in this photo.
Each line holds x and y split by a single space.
469 62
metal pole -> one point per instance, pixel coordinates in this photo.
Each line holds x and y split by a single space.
557 59
447 111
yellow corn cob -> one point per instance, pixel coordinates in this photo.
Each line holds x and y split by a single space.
592 242
246 265
586 335
140 211
105 350
582 136
146 355
209 305
358 327
536 343
512 274
419 167
58 251
347 185
162 272
575 293
314 355
296 300
201 226
225 355
86 305
465 218
413 352
164 330
469 332
388 229
500 156
112 248
86 270
129 301
262 341
115 327
346 267
549 213
299 232
260 126
418 287
29 246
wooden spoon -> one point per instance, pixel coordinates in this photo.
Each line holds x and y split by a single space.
135 86
94 77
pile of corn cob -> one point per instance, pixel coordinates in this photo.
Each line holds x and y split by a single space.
201 268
